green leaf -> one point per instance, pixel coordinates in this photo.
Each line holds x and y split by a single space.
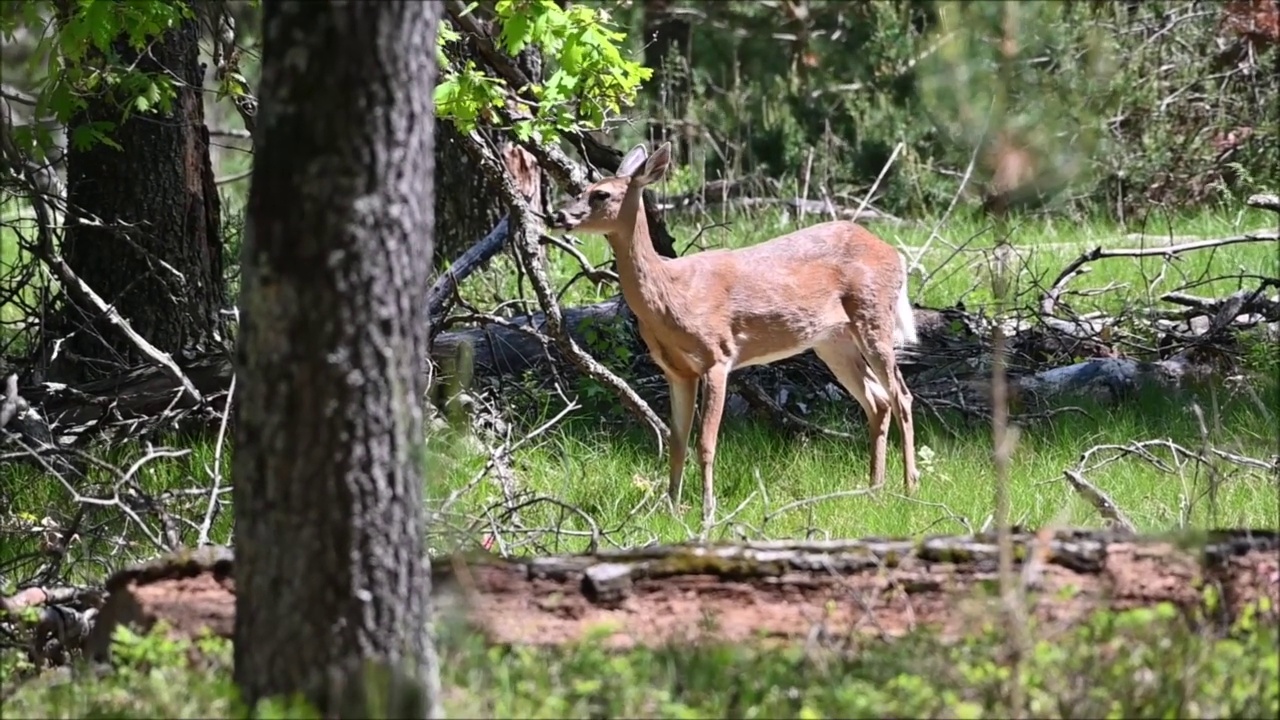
515 34
590 79
446 92
83 137
100 23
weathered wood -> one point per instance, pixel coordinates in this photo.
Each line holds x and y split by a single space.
1264 201
658 594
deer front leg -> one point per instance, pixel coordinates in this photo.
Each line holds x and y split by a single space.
684 392
717 379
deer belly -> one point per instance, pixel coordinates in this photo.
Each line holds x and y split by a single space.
766 349
770 357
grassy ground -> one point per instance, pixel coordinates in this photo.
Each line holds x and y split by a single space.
777 484
613 476
612 472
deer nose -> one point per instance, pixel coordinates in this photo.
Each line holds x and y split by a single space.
558 219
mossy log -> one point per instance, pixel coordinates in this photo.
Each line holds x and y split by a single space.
783 590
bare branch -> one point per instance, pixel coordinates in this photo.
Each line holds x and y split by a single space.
1048 302
1101 501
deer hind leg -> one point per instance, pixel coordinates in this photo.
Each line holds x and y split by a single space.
684 393
903 410
877 348
846 362
713 396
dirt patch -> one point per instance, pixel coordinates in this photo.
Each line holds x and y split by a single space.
189 591
784 591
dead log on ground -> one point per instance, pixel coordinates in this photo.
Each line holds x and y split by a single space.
785 589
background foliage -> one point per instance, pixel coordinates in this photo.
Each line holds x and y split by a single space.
1136 102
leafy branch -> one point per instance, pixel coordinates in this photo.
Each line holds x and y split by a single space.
591 79
85 59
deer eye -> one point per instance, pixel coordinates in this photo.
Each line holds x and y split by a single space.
598 196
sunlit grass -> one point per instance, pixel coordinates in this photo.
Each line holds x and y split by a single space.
615 476
953 265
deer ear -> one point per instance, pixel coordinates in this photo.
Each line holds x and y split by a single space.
656 166
631 162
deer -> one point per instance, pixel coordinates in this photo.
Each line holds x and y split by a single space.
833 287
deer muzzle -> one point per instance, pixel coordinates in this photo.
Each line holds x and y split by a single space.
560 220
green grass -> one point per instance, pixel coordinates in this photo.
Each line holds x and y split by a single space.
15 217
953 266
1144 663
608 467
608 470
614 475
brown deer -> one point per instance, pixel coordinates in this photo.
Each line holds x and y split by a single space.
833 287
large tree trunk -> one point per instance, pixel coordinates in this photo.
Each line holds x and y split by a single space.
149 239
329 447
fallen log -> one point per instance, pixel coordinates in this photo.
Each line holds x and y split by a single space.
783 590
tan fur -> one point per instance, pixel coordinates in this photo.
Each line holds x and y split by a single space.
834 287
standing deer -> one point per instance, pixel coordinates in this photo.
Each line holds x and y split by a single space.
833 287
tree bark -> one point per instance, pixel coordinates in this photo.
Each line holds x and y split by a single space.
329 443
149 239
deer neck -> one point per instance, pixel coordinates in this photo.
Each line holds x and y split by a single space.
641 271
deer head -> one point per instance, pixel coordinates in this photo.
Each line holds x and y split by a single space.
600 208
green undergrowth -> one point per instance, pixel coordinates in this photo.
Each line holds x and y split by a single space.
1140 663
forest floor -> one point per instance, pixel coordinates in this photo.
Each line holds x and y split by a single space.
593 482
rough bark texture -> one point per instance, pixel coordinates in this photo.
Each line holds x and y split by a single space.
156 253
337 258
785 590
